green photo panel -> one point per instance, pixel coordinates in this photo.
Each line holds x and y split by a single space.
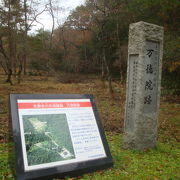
47 138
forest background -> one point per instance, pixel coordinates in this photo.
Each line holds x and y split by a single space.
93 39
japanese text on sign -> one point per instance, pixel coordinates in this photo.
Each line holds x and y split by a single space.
151 76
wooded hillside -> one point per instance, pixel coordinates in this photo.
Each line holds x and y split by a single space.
93 39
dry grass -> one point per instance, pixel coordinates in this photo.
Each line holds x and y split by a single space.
111 107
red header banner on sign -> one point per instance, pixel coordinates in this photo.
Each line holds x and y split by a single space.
47 105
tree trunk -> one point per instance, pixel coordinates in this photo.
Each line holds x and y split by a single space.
108 72
119 49
9 77
24 64
64 43
14 58
10 44
110 84
25 39
85 48
19 73
51 35
102 70
121 76
4 68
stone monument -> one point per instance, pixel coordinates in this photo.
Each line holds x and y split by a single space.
145 51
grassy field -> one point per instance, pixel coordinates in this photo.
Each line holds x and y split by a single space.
163 162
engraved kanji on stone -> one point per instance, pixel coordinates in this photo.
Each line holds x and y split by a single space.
149 69
149 52
149 85
147 99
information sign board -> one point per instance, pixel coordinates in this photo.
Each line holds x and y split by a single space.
57 135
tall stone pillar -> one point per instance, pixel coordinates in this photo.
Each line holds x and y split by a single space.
145 51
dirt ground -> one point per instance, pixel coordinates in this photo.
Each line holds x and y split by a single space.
111 107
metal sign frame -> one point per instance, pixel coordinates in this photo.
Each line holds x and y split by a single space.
70 167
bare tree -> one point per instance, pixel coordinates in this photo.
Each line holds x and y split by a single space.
51 11
10 20
30 17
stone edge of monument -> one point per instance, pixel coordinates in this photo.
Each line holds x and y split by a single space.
139 33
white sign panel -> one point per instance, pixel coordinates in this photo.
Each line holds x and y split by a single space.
58 132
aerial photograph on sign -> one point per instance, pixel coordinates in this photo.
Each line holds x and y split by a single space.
47 138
